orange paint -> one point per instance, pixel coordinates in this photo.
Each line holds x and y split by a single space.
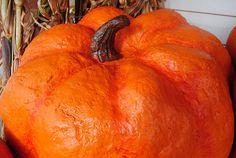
167 97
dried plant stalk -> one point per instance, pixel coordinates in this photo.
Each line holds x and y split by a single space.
18 34
6 59
6 34
17 42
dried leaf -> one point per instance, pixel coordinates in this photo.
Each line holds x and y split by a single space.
30 6
6 59
53 5
56 19
7 19
44 8
63 5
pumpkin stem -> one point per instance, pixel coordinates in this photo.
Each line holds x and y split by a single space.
103 40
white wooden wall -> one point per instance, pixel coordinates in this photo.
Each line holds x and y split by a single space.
215 16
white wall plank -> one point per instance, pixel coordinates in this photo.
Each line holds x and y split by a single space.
215 16
226 7
218 25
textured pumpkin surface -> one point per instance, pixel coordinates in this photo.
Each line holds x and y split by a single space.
99 16
4 151
231 45
167 97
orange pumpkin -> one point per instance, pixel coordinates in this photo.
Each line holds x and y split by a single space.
231 46
160 92
4 151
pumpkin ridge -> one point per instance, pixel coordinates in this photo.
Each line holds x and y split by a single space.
41 100
221 56
188 110
146 34
192 99
188 44
185 43
146 63
60 81
105 13
60 38
152 66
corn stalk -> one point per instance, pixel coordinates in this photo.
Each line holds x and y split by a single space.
6 39
17 37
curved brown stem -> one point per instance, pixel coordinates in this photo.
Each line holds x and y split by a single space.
103 40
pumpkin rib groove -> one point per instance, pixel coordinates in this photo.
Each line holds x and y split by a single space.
117 115
114 89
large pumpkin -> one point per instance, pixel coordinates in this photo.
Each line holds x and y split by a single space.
4 150
164 94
